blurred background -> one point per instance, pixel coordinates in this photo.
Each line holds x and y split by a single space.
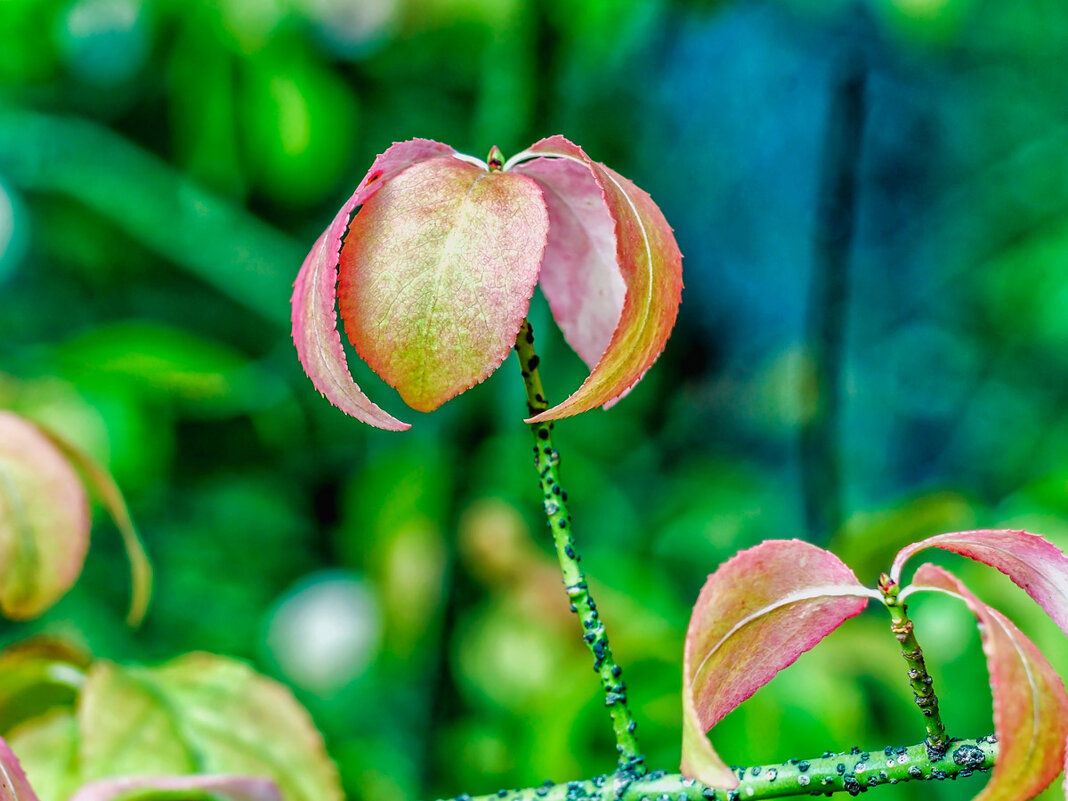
872 202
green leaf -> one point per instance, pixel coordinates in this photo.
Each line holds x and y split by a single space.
201 714
47 748
44 520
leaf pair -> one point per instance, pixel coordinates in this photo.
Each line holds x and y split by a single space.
438 268
200 726
45 521
766 606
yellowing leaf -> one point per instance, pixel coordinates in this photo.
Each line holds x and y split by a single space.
1030 704
44 520
437 273
201 714
755 616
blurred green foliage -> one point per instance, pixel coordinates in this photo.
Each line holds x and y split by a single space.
164 166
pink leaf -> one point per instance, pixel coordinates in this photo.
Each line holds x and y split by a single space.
44 520
437 273
650 264
233 788
314 316
1030 704
579 275
1038 566
13 783
755 616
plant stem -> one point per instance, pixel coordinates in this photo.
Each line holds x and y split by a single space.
919 679
547 460
852 771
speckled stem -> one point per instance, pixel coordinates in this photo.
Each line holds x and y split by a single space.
919 679
853 772
547 460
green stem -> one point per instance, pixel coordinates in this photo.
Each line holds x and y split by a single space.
852 771
547 460
919 679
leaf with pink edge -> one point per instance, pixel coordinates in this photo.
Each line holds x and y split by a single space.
314 317
1030 704
754 617
1032 562
13 783
646 257
436 275
231 788
44 520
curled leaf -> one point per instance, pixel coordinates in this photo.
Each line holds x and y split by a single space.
104 487
1030 704
436 275
44 520
314 317
755 616
232 788
13 783
646 257
1032 562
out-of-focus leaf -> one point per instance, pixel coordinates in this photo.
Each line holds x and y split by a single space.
37 675
314 294
1035 564
201 714
44 520
47 747
436 276
650 264
105 488
180 788
755 616
13 784
1030 703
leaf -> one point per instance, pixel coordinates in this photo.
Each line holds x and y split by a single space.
44 520
436 276
1036 565
180 788
47 748
579 275
13 783
755 616
1030 704
314 318
107 491
650 264
201 714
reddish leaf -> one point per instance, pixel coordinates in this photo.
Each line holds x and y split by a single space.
755 616
650 264
437 273
13 783
314 316
232 788
44 520
1030 704
579 275
1032 562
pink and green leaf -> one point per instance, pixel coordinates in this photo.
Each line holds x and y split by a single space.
13 783
1033 563
580 275
1030 704
754 617
314 316
647 259
44 520
437 272
179 788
